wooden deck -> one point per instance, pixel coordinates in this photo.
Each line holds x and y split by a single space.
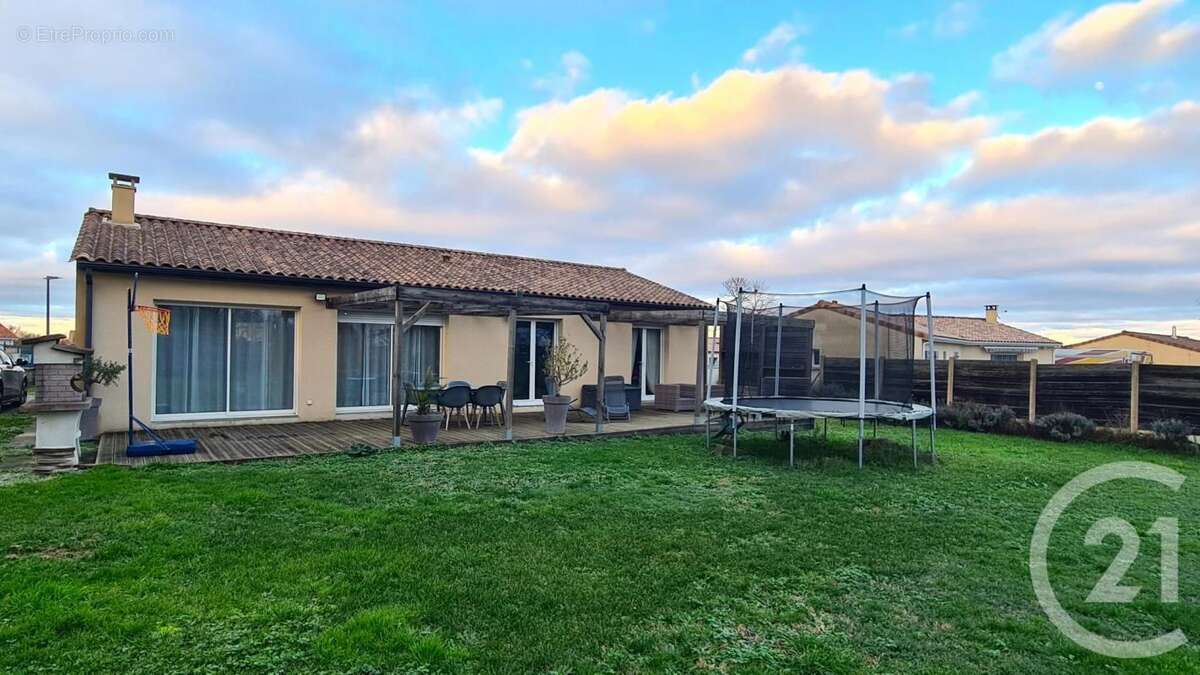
266 441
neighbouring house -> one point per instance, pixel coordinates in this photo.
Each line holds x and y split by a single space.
964 337
8 339
1163 350
271 325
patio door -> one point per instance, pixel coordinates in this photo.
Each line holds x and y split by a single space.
647 359
534 339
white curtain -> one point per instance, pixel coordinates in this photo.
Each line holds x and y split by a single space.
261 359
190 368
421 353
364 362
653 358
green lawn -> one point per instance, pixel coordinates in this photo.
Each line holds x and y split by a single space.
625 555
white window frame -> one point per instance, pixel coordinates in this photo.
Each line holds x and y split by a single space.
378 318
662 336
227 414
533 321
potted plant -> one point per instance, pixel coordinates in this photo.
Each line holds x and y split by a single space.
95 371
564 364
424 422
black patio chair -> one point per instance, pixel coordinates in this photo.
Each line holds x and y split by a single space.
488 403
410 398
454 401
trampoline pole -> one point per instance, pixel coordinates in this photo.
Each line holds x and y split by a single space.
737 355
878 370
862 369
932 377
792 443
708 430
778 345
914 443
709 365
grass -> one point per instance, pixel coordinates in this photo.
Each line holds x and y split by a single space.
645 554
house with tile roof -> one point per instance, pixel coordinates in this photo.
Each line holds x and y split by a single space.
8 339
1164 350
271 325
977 338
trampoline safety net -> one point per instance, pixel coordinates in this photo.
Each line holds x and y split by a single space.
826 345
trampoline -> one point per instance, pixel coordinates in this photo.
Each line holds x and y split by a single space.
847 355
812 408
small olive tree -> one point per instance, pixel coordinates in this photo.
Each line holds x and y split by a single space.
564 364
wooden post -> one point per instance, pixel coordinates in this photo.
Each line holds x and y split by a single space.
512 374
1032 390
949 382
702 366
1135 386
601 409
398 397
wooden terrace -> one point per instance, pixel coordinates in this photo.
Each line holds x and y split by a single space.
295 439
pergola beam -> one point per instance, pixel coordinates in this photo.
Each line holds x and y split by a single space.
467 301
664 317
416 316
591 324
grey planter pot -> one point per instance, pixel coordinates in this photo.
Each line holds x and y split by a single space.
425 427
556 413
89 422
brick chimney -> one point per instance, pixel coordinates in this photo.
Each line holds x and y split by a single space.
124 187
991 313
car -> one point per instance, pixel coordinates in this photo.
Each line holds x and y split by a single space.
14 380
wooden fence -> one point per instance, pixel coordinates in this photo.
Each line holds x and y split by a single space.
1121 395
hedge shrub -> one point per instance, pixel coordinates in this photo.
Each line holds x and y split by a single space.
1064 426
971 416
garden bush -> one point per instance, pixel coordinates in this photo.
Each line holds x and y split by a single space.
1172 430
971 416
1064 426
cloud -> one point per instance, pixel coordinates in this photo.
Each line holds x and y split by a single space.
751 147
1124 255
956 20
1105 153
776 45
1110 43
574 71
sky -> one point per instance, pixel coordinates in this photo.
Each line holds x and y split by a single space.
1041 156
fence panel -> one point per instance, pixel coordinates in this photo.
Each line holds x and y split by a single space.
993 383
1098 392
1169 391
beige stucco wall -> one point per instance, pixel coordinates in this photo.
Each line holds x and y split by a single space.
975 353
1163 355
315 348
472 348
837 335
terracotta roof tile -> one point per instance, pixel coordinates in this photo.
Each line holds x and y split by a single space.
964 328
196 245
1180 341
6 334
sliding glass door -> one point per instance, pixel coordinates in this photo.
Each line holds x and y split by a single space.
364 360
225 361
647 359
364 365
534 339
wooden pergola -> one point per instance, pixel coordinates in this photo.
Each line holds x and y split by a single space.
595 314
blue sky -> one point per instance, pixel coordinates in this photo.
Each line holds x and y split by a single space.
1036 155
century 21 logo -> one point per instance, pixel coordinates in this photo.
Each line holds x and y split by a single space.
1109 588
